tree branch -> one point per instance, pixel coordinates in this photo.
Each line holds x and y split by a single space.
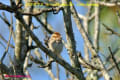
96 29
6 50
57 9
70 39
85 64
112 31
117 66
9 25
6 41
108 4
16 10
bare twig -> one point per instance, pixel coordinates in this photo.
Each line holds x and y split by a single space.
47 26
114 52
36 60
6 41
91 17
8 23
81 17
15 10
57 9
44 4
46 65
71 40
117 67
13 33
96 29
6 50
113 65
112 31
4 54
85 64
102 3
38 54
5 19
118 16
2 44
40 60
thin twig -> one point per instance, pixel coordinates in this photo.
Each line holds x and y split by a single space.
5 19
16 10
44 4
85 64
2 44
113 58
114 52
91 17
41 62
46 65
6 50
57 9
47 26
108 4
6 41
113 65
118 16
112 31
8 23
13 33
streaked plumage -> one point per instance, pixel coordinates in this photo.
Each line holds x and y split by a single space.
55 43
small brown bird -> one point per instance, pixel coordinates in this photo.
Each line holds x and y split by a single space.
55 43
